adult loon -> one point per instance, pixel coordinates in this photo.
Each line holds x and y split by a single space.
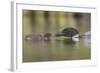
68 33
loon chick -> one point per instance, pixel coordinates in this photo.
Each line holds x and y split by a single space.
47 36
38 37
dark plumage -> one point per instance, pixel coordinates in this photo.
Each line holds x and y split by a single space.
68 32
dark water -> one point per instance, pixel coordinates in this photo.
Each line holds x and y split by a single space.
56 50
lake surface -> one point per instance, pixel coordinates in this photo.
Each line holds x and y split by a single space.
56 50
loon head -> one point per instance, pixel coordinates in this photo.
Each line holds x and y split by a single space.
68 32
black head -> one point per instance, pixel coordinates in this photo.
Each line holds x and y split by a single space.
68 32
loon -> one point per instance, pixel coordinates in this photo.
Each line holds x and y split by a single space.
68 33
38 37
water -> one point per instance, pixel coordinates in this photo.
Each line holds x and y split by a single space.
56 50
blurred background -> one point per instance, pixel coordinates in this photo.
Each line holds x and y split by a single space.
48 21
40 22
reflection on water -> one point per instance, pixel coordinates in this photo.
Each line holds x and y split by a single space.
55 50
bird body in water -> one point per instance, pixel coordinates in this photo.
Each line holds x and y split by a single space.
68 32
38 37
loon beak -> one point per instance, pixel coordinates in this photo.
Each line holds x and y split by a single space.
59 34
